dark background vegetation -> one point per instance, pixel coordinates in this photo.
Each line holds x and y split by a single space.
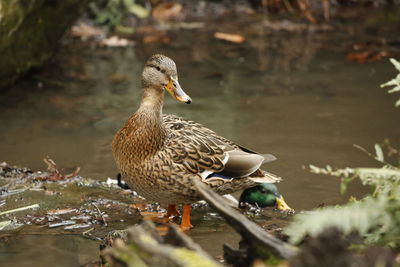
297 78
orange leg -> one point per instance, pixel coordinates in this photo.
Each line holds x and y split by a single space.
185 223
171 211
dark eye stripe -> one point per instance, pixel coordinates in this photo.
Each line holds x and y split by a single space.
156 67
151 66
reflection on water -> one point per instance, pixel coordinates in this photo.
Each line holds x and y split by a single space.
293 96
39 250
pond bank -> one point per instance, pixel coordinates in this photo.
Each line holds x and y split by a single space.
36 208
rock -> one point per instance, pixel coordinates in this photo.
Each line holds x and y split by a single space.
30 32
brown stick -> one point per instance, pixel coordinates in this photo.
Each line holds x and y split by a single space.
306 11
327 11
251 233
101 215
288 6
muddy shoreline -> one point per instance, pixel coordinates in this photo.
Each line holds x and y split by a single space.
35 206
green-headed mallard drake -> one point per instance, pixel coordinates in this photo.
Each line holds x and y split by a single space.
263 195
160 155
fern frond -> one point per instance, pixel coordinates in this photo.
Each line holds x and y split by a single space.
387 176
360 216
394 82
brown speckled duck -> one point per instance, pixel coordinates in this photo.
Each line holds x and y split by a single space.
160 156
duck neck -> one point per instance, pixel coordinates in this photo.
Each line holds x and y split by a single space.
152 102
150 118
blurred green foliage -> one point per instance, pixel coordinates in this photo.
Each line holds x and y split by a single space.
376 217
113 13
394 82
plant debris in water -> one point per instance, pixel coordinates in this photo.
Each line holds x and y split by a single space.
68 208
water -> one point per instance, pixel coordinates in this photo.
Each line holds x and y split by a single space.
291 95
64 250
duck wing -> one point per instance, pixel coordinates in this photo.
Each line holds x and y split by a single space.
202 151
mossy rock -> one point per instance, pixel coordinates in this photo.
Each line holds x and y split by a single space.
29 33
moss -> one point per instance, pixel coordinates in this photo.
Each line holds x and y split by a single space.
128 255
192 259
29 33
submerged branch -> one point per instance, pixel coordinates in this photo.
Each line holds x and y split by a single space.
34 206
257 239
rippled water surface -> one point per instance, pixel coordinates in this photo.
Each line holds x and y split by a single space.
291 95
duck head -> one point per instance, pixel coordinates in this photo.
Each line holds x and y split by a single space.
264 195
160 73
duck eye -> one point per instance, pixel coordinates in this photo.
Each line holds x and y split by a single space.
158 68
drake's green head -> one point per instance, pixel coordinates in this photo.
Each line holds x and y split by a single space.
264 195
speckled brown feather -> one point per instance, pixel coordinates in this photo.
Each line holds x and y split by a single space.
160 156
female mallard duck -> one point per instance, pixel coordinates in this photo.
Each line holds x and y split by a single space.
160 156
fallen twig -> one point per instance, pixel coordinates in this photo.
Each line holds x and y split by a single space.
327 12
54 174
13 192
101 214
77 226
63 223
373 156
257 240
233 38
4 224
61 211
34 206
73 174
87 231
62 233
304 7
288 6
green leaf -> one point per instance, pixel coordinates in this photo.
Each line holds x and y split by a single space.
394 89
102 17
4 224
358 216
136 9
343 187
395 63
379 153
124 30
392 82
375 176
